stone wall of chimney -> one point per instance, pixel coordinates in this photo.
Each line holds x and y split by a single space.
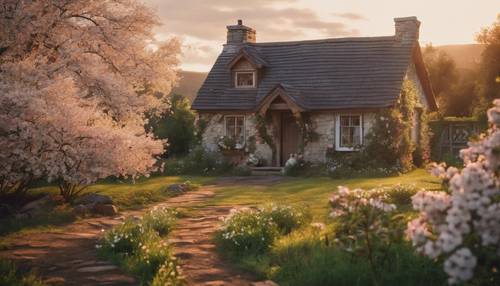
407 28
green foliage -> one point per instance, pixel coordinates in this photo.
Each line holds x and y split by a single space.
422 153
262 123
295 166
198 162
306 259
356 165
366 225
253 231
247 231
307 132
177 126
161 220
389 140
241 171
489 71
50 217
401 194
11 276
287 217
139 247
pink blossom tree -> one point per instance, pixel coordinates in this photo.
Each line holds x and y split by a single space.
77 79
462 227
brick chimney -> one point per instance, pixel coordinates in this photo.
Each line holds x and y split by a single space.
240 34
407 28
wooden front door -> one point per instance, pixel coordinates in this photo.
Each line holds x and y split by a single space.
289 136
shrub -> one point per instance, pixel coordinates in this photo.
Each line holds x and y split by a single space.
242 171
286 217
138 247
462 227
366 224
11 276
303 258
161 220
294 166
168 274
357 164
177 126
247 231
401 194
198 162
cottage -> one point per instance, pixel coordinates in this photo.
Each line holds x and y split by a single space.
269 99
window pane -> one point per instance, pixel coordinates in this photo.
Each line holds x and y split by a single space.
355 121
344 120
230 126
244 79
356 140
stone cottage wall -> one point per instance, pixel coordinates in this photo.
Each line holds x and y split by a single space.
215 129
324 124
262 150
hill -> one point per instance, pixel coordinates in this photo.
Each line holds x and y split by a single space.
189 83
465 56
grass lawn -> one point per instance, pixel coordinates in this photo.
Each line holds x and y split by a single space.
125 196
314 191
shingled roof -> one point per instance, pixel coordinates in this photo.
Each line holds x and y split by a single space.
342 73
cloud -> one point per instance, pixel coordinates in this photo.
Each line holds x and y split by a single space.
203 23
207 19
350 16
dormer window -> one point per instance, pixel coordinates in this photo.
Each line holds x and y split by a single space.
244 79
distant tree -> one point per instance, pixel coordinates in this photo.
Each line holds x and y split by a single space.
444 77
177 126
489 82
76 79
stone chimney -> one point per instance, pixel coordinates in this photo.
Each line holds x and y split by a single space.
240 34
407 28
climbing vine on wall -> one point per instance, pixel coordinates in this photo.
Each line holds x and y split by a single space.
201 127
262 123
390 142
307 130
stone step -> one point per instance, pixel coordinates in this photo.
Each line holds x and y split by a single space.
267 171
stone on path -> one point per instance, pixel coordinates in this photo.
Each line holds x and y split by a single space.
97 268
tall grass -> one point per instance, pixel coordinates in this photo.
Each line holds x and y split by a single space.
304 258
11 276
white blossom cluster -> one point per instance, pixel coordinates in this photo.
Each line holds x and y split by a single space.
460 224
347 201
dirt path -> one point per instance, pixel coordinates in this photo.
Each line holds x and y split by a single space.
68 257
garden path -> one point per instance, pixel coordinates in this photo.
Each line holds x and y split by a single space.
68 256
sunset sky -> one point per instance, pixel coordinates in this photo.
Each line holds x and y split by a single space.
201 24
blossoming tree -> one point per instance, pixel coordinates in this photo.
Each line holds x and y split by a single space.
462 227
76 81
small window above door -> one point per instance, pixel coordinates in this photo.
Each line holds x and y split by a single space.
244 79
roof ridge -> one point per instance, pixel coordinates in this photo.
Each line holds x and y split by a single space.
327 40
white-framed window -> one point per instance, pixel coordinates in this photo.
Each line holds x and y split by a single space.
349 132
244 79
234 126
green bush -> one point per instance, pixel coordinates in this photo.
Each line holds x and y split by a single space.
139 247
242 171
11 276
306 259
401 194
161 220
198 162
247 231
287 217
177 126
